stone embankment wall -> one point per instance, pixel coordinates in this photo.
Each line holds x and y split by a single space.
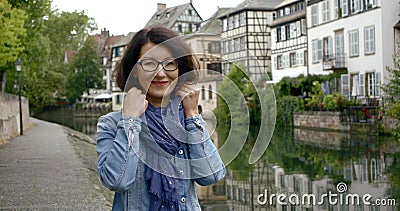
9 115
331 121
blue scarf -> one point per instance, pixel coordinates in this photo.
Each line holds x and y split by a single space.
165 125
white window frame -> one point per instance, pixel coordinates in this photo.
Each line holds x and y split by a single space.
242 19
354 43
299 58
345 8
235 21
369 40
283 33
298 29
314 15
326 14
371 78
355 6
292 30
316 50
373 3
328 47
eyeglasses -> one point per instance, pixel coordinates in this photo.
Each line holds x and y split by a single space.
151 65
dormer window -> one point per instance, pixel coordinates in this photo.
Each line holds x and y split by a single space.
158 17
167 15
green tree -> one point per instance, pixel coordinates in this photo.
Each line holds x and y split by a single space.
392 91
48 34
84 71
12 32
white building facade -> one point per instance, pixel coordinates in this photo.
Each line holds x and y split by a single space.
289 40
354 37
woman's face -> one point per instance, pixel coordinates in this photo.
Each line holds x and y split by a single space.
157 71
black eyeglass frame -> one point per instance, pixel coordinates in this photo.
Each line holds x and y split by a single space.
162 63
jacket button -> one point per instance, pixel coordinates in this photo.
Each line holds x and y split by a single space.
180 152
183 200
130 120
181 171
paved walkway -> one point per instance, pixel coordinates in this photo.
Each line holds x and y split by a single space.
41 171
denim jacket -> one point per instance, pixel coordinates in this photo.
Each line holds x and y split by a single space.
121 168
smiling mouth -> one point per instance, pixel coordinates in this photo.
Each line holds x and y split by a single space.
159 83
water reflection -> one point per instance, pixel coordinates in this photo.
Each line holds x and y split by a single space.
301 162
297 162
64 116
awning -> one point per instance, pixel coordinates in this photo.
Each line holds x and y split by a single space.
103 96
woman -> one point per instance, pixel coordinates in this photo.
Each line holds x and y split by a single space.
153 151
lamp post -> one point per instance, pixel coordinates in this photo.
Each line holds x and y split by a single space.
18 67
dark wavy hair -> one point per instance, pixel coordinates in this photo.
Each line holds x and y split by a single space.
188 65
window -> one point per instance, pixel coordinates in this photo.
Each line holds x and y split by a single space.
336 5
286 61
345 9
279 62
224 24
370 3
293 59
283 33
278 34
214 47
167 15
353 43
293 30
190 12
314 15
299 58
326 14
242 20
369 42
287 30
213 68
236 44
158 17
242 43
236 21
287 11
317 50
298 29
371 84
327 48
355 6
230 23
179 28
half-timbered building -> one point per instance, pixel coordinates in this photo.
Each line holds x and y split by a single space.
289 40
183 19
246 37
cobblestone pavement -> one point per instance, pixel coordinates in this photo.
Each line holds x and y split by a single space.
50 167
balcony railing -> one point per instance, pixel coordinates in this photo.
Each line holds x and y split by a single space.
334 62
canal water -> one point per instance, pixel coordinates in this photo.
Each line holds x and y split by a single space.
300 170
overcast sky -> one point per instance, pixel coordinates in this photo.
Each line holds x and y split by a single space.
124 16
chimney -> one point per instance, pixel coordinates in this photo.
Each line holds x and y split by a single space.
161 7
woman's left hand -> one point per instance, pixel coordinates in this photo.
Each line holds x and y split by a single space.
190 99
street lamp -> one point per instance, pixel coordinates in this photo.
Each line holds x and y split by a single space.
18 67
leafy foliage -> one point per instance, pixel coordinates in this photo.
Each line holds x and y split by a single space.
12 33
48 34
392 91
84 71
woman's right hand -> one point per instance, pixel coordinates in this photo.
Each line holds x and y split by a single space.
135 103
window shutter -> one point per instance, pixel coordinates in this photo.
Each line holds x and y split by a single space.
377 84
345 86
362 84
